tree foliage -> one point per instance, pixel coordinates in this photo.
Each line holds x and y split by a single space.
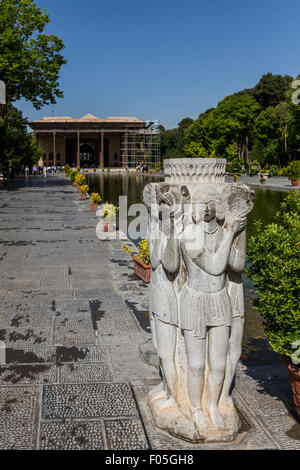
260 124
30 59
274 254
18 147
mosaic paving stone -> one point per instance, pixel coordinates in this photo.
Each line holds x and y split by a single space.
125 434
88 401
257 398
33 355
285 430
73 329
35 320
78 435
76 373
26 337
55 277
19 410
28 374
82 354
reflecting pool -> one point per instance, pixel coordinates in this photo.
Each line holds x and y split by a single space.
256 349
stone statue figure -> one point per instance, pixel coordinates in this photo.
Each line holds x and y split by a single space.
238 199
164 204
196 308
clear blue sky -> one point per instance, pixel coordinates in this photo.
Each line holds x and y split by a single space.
167 59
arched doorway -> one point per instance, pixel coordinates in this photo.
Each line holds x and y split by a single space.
87 155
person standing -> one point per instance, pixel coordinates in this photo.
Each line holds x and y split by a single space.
26 172
45 172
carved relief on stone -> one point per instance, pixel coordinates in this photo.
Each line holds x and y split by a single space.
197 244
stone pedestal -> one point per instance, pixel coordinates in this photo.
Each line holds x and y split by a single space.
197 245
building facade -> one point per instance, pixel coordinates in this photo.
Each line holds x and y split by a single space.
90 142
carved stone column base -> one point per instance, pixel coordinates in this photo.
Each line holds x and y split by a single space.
168 417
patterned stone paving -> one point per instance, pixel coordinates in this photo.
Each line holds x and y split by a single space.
88 401
76 373
19 411
125 434
79 356
76 435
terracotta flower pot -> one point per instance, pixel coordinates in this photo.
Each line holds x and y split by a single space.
83 196
108 226
74 184
142 270
79 189
294 373
93 207
295 182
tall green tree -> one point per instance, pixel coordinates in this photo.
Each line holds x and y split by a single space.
30 59
18 147
272 89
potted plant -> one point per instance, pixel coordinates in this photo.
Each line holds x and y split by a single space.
95 201
73 174
293 172
79 180
109 214
274 254
142 267
262 180
67 170
84 190
235 178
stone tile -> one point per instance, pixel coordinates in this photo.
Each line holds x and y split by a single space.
73 329
19 411
55 277
285 430
77 373
28 374
261 402
75 435
125 434
125 351
26 337
88 401
127 370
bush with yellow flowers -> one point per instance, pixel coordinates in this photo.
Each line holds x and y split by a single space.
84 189
96 198
79 179
143 251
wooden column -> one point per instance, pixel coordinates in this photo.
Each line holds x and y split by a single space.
78 150
54 148
102 150
125 154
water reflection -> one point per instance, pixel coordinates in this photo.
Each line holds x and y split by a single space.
256 349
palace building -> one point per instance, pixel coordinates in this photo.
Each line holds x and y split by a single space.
91 142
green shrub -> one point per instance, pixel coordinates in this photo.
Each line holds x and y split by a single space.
274 254
234 166
254 168
274 169
293 170
67 169
73 174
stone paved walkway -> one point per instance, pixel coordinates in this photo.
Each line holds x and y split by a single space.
79 358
